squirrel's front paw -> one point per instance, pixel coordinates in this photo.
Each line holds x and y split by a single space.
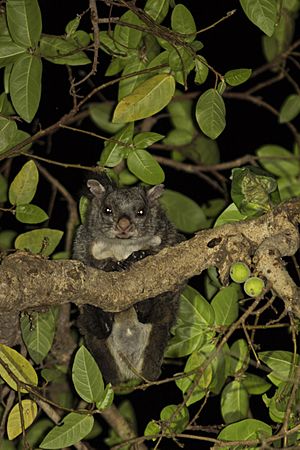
123 265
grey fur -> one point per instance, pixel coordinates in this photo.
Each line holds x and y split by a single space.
124 225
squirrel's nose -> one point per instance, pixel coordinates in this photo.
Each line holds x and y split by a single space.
124 224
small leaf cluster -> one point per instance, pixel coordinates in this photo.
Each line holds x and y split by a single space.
22 49
284 165
174 54
225 370
125 146
21 192
20 375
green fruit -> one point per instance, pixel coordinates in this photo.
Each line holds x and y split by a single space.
239 272
254 286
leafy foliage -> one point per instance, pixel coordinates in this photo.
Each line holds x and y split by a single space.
166 106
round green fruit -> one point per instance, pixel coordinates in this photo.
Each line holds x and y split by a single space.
239 272
254 286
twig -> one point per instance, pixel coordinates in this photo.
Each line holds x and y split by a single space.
94 21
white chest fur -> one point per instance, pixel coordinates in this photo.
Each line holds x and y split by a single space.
120 249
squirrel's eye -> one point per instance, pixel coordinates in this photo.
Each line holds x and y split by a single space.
107 211
140 212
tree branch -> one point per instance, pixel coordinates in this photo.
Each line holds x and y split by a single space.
31 281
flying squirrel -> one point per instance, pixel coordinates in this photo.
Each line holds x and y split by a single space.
123 225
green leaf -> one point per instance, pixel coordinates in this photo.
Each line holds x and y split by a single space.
245 430
73 429
203 150
3 188
162 59
72 26
237 76
288 188
146 100
16 138
126 37
253 190
9 51
35 434
116 147
281 364
230 215
180 59
186 214
7 72
80 38
106 399
3 24
194 324
30 214
254 384
23 187
187 339
290 108
126 178
5 105
53 375
143 140
87 377
239 357
116 65
8 131
128 85
151 46
101 113
157 9
42 241
176 418
18 366
24 21
38 330
194 309
219 366
142 164
7 238
201 70
283 34
152 428
182 22
279 403
83 207
234 402
196 361
25 85
263 13
15 426
225 305
180 110
210 113
60 50
108 44
278 160
178 138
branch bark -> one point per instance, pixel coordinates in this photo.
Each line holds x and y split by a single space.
31 281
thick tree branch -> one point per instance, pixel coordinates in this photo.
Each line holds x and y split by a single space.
30 281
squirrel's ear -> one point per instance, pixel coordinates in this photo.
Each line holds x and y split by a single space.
155 192
95 187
